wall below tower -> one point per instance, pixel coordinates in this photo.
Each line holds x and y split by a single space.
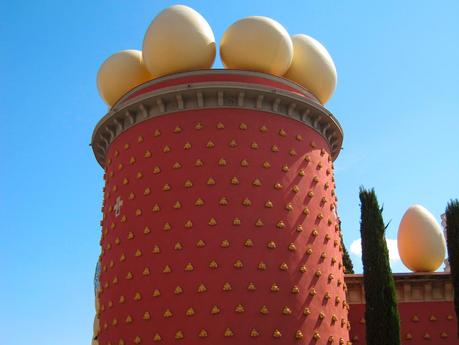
425 305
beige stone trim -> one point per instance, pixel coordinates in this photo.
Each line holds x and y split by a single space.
205 95
411 287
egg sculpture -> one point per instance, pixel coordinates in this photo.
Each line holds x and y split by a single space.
120 73
421 244
257 44
178 39
312 67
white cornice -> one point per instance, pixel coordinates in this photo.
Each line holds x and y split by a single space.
300 106
410 287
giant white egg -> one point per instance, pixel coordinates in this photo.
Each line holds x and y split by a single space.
120 73
421 243
312 67
178 39
257 44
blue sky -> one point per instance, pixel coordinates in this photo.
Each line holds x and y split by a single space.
397 100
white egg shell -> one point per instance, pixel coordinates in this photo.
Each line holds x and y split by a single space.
421 243
257 44
120 73
178 39
313 67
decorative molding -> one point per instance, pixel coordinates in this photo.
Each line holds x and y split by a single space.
300 106
410 287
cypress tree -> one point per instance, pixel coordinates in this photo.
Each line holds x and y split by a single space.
452 241
381 314
347 262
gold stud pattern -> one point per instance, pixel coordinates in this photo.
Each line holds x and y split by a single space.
239 308
277 334
286 311
277 185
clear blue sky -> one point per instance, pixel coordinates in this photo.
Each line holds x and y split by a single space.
397 100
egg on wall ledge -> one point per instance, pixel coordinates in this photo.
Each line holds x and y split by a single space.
420 239
257 44
312 67
120 73
178 39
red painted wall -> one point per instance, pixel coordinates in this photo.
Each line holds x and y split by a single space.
228 79
220 196
421 323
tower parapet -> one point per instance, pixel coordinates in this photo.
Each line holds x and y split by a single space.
231 89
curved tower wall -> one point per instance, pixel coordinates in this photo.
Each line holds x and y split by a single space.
220 222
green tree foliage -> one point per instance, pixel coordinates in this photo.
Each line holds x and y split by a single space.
381 313
347 262
452 240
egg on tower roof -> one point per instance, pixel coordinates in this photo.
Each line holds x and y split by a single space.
312 67
120 73
178 39
257 44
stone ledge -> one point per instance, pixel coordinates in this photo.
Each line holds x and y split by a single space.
300 106
411 287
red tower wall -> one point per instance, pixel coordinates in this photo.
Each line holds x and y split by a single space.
227 233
